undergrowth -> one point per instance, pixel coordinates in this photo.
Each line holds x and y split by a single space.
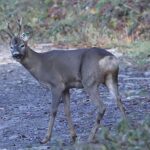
101 23
138 51
124 137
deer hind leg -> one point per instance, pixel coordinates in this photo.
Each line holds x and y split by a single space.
94 95
56 95
111 83
66 100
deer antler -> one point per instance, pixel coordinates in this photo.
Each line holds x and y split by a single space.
9 30
19 22
10 26
3 33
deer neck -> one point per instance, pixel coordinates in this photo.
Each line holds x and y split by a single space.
31 61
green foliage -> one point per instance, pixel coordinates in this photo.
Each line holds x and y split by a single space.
101 3
48 1
94 22
135 138
124 137
139 51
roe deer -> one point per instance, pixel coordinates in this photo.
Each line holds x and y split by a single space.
61 70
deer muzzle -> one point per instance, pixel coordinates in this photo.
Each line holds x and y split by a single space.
16 55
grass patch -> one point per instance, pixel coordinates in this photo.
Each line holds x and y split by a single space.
138 51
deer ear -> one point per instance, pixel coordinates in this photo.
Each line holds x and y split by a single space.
28 30
5 35
24 37
27 33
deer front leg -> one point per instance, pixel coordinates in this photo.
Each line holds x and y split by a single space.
66 99
56 95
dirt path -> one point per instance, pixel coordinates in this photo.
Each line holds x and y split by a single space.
25 105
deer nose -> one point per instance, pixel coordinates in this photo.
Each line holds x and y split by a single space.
16 54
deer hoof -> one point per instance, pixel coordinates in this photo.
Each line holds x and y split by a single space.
74 138
44 141
93 141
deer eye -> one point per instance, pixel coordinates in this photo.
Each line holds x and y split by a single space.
11 48
22 46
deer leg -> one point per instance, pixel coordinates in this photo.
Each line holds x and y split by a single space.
56 95
66 99
113 89
94 95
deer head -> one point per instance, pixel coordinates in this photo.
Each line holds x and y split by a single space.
18 43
